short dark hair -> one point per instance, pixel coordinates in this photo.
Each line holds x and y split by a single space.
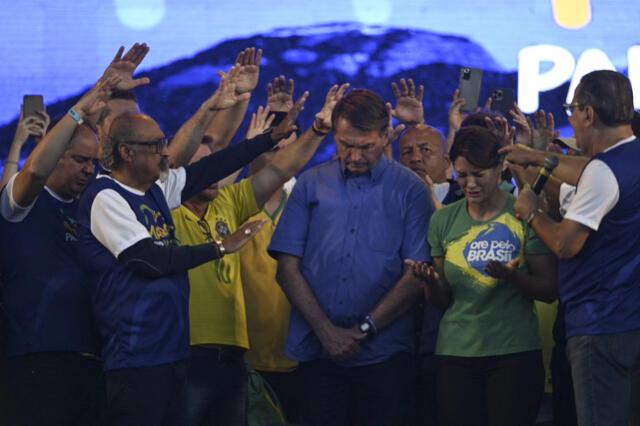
479 118
635 124
478 145
609 93
363 109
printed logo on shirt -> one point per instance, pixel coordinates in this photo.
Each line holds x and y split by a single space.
222 229
500 240
158 228
71 228
496 242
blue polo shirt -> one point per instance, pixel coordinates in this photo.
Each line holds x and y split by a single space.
353 234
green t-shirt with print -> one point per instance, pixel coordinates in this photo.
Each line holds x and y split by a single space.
488 316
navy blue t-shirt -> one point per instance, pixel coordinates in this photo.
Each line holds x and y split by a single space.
44 288
145 321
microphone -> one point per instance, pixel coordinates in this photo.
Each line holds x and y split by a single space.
550 163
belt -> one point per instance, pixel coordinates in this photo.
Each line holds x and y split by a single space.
219 352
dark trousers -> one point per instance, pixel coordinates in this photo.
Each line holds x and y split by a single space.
377 394
147 396
217 386
57 389
425 391
503 390
287 389
563 399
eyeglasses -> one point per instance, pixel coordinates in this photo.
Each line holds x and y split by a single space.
160 144
206 230
568 108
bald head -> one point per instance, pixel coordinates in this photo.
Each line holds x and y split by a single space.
423 150
128 127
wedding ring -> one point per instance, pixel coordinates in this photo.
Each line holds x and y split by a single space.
247 231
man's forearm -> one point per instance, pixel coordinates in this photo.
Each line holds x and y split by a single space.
286 163
569 167
300 295
225 124
565 239
402 296
186 142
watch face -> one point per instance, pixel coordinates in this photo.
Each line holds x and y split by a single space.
365 327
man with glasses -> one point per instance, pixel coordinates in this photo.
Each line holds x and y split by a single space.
341 244
598 241
139 272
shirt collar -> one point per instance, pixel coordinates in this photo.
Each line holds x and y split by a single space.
374 174
623 141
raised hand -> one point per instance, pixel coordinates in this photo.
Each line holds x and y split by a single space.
287 126
226 96
501 270
393 132
125 66
409 108
524 132
242 235
499 126
323 118
96 98
456 115
544 131
32 125
249 73
279 96
260 122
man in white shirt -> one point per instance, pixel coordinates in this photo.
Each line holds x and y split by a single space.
598 242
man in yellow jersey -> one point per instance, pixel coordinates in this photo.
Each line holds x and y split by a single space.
217 379
266 305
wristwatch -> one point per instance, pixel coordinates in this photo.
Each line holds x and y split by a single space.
532 214
221 250
368 327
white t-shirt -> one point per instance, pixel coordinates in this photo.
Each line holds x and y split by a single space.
115 225
596 194
12 211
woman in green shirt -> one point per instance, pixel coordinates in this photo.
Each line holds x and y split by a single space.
488 267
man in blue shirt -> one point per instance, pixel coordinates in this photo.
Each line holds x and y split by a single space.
598 242
341 245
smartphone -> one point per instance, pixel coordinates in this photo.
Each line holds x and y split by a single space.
470 82
502 100
31 104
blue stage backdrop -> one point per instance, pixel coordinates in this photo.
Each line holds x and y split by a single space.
540 48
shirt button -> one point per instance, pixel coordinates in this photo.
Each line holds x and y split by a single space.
355 207
352 230
348 255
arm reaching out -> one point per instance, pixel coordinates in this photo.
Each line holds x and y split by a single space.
188 139
45 156
36 126
225 123
125 66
